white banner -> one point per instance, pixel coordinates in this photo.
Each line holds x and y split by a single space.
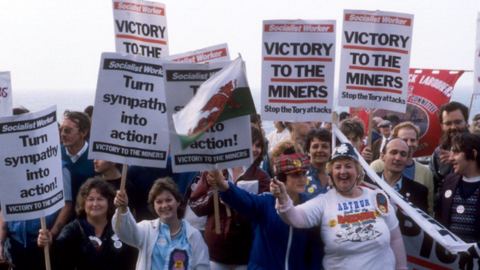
298 64
428 244
375 60
209 54
476 72
140 28
31 179
6 108
129 123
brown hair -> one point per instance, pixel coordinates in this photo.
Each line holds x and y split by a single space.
81 119
102 187
161 185
285 147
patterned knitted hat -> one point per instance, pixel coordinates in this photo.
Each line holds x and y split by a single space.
288 164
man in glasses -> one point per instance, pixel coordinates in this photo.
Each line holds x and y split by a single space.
453 117
74 133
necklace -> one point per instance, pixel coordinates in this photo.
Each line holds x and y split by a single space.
178 231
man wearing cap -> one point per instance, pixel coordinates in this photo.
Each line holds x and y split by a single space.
409 133
459 203
386 130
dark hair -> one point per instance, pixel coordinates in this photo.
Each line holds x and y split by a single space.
255 118
355 126
466 143
89 110
20 110
343 116
81 119
258 136
161 185
102 187
450 107
394 119
321 134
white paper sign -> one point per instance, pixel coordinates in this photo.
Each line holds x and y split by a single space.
140 28
129 123
6 108
375 60
476 72
208 54
31 179
298 62
227 143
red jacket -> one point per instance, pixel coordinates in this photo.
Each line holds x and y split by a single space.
233 244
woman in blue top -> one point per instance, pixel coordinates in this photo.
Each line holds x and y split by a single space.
167 242
275 244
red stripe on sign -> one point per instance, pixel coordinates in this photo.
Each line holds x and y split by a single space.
375 69
387 90
297 101
139 8
377 49
296 59
297 80
427 264
143 39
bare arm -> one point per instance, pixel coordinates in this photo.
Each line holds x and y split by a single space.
62 219
396 243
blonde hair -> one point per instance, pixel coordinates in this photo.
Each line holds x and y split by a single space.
358 167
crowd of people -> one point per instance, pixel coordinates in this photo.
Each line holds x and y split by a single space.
301 204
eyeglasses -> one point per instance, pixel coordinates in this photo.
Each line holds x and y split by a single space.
67 130
455 122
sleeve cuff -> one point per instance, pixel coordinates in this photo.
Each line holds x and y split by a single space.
284 207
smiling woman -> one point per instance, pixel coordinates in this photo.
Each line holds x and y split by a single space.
164 242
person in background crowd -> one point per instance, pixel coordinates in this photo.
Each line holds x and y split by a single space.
275 245
18 239
453 117
343 115
409 133
377 147
327 126
74 133
300 131
89 111
231 248
354 130
279 134
373 242
110 171
475 126
394 156
168 242
267 165
367 152
318 148
89 242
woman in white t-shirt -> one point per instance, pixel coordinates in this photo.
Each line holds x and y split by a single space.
278 135
358 225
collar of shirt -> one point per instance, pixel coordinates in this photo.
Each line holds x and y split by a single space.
230 173
471 180
74 158
399 182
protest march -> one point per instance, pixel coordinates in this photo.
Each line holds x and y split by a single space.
370 163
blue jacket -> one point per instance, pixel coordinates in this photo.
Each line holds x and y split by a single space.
275 244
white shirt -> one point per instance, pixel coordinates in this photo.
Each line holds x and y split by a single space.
74 158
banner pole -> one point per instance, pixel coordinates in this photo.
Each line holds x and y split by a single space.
334 122
471 102
370 120
46 248
122 190
215 206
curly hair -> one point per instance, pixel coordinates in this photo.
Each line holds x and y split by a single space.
161 185
101 186
358 168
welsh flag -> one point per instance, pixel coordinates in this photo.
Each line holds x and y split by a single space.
224 96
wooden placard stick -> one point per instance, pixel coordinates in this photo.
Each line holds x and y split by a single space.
216 208
122 190
46 248
370 127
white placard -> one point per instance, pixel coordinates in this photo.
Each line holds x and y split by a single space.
31 179
209 54
375 59
6 108
129 123
232 136
140 28
298 64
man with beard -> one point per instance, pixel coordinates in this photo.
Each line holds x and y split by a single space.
453 117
